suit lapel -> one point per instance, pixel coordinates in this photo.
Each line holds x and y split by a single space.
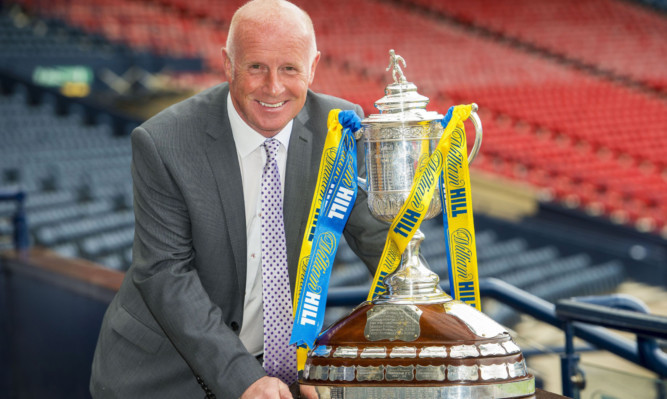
222 156
303 156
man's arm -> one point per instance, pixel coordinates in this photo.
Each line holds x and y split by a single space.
165 275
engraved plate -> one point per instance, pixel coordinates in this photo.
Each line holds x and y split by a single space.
433 351
346 351
430 373
319 373
517 369
461 351
491 349
479 323
374 352
342 373
493 371
399 373
393 322
511 347
370 373
403 351
462 373
321 351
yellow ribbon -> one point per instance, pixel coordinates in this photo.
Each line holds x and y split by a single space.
463 273
331 144
412 213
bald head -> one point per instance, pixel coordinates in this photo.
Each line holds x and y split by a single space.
263 15
269 61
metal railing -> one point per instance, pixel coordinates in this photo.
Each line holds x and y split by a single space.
575 319
623 313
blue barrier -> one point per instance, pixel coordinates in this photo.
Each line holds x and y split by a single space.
21 236
620 312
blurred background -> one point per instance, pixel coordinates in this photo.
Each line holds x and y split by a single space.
569 188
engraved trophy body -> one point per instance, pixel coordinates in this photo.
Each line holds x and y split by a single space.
413 341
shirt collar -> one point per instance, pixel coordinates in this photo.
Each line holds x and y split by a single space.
246 138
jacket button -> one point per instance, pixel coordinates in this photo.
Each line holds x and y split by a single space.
235 326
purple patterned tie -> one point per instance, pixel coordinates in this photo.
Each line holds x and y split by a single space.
279 356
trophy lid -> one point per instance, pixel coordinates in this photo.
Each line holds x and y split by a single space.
402 102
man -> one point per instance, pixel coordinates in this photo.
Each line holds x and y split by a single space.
188 317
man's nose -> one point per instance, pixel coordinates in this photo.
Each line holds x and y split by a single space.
274 84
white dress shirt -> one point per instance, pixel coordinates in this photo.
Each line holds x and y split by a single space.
252 157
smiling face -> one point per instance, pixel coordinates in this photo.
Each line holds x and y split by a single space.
270 66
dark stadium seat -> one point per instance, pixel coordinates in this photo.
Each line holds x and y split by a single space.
83 227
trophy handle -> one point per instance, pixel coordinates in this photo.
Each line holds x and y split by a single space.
478 133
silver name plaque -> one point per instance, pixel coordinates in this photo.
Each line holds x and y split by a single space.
342 373
318 373
393 322
346 352
491 349
370 373
430 373
462 373
511 347
400 373
517 369
433 352
461 351
321 351
403 352
493 371
374 352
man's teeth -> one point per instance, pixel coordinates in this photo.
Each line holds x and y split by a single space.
276 105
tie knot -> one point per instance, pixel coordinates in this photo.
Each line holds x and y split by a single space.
271 147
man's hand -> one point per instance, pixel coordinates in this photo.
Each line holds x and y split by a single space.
267 388
308 392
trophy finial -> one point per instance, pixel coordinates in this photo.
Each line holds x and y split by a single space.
394 64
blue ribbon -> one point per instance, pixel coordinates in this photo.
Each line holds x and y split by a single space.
335 210
443 202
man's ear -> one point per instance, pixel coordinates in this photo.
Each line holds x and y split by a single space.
227 65
313 66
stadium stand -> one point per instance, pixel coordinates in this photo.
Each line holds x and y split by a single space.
611 37
558 128
573 99
559 109
76 177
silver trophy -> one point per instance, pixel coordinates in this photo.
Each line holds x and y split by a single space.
413 341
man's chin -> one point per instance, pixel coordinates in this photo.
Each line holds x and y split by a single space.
273 123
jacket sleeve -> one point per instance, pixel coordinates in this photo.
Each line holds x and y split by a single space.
364 234
164 272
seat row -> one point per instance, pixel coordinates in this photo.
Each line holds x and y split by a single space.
612 36
545 271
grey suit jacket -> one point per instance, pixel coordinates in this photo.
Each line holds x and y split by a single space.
172 329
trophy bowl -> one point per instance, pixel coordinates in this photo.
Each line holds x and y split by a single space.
414 340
